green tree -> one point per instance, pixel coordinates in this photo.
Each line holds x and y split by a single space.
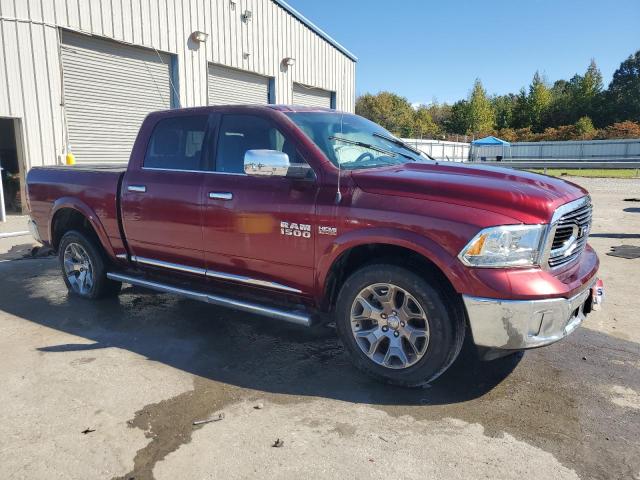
458 121
584 129
538 102
391 111
504 107
559 112
520 113
480 116
585 93
424 126
623 96
440 114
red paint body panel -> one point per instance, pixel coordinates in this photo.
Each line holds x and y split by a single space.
432 209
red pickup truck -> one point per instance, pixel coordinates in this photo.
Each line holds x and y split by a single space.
308 215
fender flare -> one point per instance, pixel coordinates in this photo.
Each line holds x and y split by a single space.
86 211
423 246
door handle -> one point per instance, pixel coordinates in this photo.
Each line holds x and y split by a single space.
137 188
221 195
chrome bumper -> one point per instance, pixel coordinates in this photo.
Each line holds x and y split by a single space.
521 324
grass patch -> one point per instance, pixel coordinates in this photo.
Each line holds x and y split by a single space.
589 172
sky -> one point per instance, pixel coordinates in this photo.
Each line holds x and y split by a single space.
427 50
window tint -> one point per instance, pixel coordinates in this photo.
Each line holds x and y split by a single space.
239 133
176 143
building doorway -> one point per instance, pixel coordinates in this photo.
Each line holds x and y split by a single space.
10 155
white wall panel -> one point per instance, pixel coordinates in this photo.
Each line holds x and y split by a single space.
30 71
587 149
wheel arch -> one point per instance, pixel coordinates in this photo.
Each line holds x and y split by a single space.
351 252
68 214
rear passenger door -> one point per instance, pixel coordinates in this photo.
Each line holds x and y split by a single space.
258 230
162 199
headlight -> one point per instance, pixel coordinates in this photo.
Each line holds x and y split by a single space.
504 246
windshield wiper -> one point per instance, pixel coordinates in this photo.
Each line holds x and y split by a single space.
364 145
400 143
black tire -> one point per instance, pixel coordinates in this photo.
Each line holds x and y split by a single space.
101 286
444 316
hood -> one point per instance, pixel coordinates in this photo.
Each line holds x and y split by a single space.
525 197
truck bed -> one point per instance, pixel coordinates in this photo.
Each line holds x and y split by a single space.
90 189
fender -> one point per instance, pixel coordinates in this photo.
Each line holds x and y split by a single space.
420 244
89 214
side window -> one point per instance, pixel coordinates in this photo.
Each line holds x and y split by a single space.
176 143
239 133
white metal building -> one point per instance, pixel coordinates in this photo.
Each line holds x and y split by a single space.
82 74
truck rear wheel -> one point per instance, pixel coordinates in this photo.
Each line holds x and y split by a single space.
84 267
397 326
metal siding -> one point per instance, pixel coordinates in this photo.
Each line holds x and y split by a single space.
30 69
108 90
587 150
229 86
311 96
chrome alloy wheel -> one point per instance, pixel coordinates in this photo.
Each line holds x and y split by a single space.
389 325
78 268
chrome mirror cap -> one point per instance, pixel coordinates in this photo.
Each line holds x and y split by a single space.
270 163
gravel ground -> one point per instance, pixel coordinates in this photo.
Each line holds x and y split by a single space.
134 373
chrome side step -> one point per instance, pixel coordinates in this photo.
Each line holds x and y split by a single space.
288 316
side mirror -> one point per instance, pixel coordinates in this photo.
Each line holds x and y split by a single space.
271 163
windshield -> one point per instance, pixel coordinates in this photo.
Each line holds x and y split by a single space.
354 142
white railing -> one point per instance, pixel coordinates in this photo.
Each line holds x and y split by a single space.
440 149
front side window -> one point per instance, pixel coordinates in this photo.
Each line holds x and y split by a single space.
353 142
239 133
176 143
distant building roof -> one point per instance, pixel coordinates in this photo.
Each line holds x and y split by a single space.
315 28
489 141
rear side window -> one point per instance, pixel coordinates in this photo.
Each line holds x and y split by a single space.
239 133
176 143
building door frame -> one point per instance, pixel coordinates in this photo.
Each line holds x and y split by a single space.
18 133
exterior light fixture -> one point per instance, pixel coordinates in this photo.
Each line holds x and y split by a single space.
288 62
246 16
199 36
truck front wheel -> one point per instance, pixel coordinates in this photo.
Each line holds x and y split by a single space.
398 326
84 267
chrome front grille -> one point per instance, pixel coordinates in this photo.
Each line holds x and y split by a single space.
570 232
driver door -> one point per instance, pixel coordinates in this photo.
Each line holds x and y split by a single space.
258 231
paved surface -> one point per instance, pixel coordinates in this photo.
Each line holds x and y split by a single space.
15 247
138 370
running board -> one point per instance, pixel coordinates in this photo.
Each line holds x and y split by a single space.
292 317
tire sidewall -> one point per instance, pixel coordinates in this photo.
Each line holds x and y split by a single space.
443 338
97 264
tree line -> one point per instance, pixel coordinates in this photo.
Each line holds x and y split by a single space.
576 109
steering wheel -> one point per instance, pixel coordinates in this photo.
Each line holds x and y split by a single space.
364 156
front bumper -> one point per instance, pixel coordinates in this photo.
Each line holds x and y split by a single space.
521 324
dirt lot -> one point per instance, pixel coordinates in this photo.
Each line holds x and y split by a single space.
135 372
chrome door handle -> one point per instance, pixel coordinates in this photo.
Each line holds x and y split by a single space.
221 195
137 188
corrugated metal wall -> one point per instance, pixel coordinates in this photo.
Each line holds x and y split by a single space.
30 74
587 149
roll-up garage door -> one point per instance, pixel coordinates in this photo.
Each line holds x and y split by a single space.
108 90
228 86
311 97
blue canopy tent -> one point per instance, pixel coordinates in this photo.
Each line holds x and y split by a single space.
491 142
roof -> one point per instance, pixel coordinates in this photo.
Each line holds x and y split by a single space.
315 28
490 141
300 108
